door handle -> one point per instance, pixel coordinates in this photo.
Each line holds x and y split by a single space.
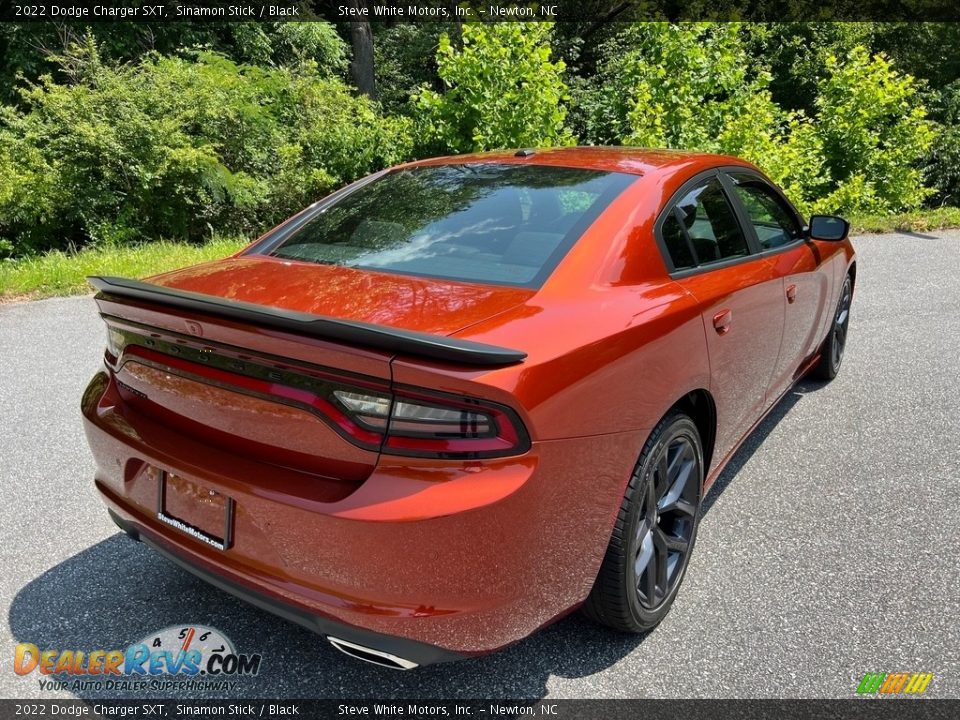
791 293
721 322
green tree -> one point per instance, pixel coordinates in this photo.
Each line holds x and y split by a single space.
874 131
502 90
942 167
670 85
795 54
694 86
688 82
405 61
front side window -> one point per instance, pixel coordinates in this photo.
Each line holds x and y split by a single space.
490 223
707 220
774 223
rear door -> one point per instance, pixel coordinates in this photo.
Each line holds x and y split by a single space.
778 232
740 296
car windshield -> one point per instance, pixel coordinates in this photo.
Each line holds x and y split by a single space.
489 223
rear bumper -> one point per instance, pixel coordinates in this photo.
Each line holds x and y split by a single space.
418 653
428 560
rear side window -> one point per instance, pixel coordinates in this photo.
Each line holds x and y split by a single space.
678 244
707 222
490 223
773 222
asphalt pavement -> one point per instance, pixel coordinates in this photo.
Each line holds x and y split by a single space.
829 548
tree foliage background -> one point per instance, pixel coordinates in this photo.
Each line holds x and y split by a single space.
123 133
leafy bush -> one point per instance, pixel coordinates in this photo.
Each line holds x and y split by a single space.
502 91
256 121
405 60
874 132
668 85
795 54
942 173
25 48
688 83
942 167
285 43
691 86
174 147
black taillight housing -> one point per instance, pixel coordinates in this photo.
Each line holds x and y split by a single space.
421 424
365 411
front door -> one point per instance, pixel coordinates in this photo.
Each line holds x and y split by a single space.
779 234
741 303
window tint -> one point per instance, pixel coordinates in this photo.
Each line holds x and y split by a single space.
675 238
710 225
490 223
770 217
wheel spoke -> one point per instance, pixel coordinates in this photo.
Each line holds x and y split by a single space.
645 554
645 570
677 487
642 530
662 473
671 542
660 553
841 334
650 504
679 506
649 584
681 454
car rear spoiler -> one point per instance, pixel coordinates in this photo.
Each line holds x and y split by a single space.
380 337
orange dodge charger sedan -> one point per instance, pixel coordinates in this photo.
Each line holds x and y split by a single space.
459 398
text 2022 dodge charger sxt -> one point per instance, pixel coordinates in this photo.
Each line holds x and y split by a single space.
459 398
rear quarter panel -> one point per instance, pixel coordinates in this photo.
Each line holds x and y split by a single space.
614 363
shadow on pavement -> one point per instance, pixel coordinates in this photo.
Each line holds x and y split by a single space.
756 439
116 592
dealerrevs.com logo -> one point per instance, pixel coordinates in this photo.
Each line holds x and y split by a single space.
180 657
898 683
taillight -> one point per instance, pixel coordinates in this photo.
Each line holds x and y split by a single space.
370 410
116 340
428 426
363 411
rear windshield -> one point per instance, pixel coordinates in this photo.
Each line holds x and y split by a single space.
488 223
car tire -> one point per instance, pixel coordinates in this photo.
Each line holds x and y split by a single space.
831 355
655 530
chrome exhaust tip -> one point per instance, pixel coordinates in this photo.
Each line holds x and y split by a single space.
376 657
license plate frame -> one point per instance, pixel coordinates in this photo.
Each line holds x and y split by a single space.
221 542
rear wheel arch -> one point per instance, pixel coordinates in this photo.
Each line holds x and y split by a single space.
655 526
701 408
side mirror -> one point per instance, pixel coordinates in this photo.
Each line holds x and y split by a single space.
828 227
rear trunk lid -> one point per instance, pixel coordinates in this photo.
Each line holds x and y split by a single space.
428 305
241 354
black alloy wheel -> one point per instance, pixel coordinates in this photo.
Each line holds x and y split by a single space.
831 356
664 535
655 530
